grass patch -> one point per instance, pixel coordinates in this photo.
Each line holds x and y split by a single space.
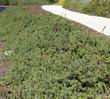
53 58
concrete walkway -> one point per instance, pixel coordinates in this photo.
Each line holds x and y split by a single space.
99 24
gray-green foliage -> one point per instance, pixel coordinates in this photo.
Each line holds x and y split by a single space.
53 58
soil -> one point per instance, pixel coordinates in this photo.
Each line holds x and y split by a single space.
4 65
34 9
6 90
1 45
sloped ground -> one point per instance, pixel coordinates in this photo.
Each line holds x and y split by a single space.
53 58
34 9
4 64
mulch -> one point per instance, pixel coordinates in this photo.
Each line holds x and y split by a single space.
34 9
4 63
4 66
6 90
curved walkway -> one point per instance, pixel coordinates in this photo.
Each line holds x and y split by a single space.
99 24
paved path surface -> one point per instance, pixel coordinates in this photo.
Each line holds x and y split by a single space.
99 24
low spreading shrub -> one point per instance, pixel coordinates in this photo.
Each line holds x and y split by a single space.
95 7
4 2
74 5
100 8
53 58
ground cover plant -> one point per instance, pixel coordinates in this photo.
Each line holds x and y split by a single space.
95 7
75 5
98 7
3 2
52 58
9 2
